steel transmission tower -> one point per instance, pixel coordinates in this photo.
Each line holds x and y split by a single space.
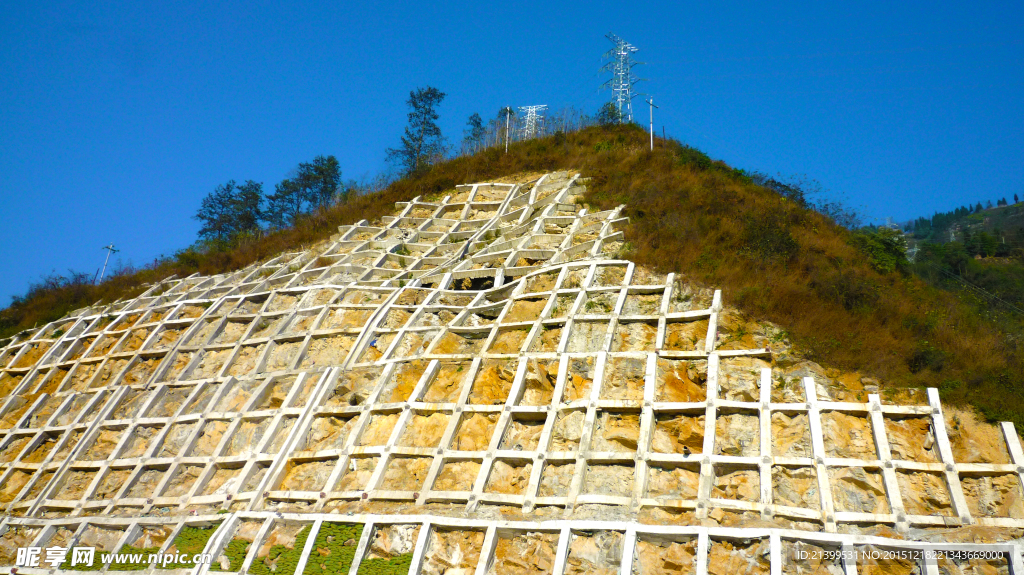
532 120
620 64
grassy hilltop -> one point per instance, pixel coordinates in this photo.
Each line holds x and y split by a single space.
841 296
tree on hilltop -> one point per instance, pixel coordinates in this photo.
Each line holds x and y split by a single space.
315 185
609 114
230 210
422 143
474 138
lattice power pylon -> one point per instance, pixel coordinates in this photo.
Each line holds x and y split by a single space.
533 120
620 64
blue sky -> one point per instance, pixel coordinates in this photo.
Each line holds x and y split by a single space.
117 118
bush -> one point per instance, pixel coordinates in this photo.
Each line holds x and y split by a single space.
766 237
886 249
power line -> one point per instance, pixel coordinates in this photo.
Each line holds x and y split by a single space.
981 290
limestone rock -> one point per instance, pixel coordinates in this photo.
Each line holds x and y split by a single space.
600 553
678 434
568 430
475 432
657 557
924 493
737 434
791 436
859 490
796 487
848 436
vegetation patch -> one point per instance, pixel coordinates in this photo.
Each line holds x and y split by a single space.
190 541
334 548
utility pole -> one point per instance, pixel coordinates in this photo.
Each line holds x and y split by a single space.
110 250
651 102
508 116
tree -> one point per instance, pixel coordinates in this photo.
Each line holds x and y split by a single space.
505 122
286 203
978 207
886 249
422 143
609 114
1015 198
314 185
474 137
320 181
231 210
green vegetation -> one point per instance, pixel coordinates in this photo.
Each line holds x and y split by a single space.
230 211
235 551
1002 226
842 300
334 548
281 560
190 541
144 552
397 565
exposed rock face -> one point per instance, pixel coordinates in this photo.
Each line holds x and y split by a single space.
509 477
655 557
729 558
475 432
599 553
973 442
796 487
457 476
453 552
911 439
678 434
530 553
924 493
682 381
739 484
848 436
673 482
737 434
791 435
859 490
568 430
617 432
994 496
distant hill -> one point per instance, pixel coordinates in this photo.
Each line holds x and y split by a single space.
995 231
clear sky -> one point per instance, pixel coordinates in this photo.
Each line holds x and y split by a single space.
117 118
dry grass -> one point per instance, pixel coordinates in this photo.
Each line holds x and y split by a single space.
772 258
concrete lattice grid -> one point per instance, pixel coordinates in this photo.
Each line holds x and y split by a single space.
485 351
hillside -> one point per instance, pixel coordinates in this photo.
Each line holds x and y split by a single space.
481 380
688 214
1003 227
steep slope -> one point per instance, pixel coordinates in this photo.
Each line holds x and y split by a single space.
479 382
691 215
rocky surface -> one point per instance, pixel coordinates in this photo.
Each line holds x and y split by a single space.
526 554
452 552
